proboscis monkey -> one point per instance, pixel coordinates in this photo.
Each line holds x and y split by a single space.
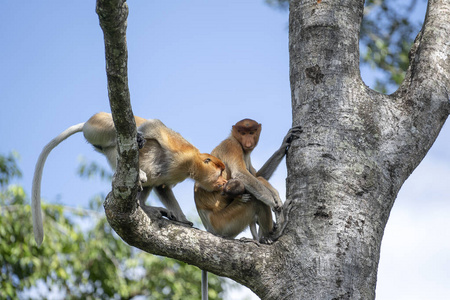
228 217
165 158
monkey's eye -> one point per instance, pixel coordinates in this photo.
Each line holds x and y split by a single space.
206 161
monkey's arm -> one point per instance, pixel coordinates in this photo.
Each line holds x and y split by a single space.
272 163
254 186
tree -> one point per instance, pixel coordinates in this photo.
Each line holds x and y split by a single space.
357 149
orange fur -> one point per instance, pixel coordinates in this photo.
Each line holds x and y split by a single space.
227 216
165 159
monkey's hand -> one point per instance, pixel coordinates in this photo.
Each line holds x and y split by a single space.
293 133
142 176
140 140
277 200
277 208
245 198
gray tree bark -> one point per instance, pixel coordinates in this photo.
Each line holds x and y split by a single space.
344 173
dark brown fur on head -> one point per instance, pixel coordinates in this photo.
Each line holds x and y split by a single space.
247 124
233 188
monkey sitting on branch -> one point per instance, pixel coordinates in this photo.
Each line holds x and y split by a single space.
247 197
165 158
227 217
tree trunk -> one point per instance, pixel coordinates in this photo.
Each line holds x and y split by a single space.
358 146
344 173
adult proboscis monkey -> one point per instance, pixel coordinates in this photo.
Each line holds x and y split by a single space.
165 159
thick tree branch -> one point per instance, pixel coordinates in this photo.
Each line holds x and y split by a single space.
430 62
245 262
418 109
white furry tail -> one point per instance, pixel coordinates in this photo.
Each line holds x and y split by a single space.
38 226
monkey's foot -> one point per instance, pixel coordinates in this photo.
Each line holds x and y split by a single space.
266 240
184 221
158 212
282 219
247 240
180 219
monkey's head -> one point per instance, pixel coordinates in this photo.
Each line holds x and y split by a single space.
209 173
233 188
247 132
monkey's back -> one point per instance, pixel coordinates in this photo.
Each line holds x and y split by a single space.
164 154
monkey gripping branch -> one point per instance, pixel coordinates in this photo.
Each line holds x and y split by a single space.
357 149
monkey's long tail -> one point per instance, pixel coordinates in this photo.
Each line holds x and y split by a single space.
204 285
38 226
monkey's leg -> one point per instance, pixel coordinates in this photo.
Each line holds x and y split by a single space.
204 285
254 231
234 218
143 195
151 211
265 223
167 197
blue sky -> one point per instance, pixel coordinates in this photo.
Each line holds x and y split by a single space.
199 66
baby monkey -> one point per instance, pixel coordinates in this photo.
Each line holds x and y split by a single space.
235 189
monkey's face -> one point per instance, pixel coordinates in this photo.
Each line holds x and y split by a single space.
209 175
247 133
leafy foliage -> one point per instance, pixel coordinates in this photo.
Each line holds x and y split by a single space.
387 33
91 169
81 256
8 168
